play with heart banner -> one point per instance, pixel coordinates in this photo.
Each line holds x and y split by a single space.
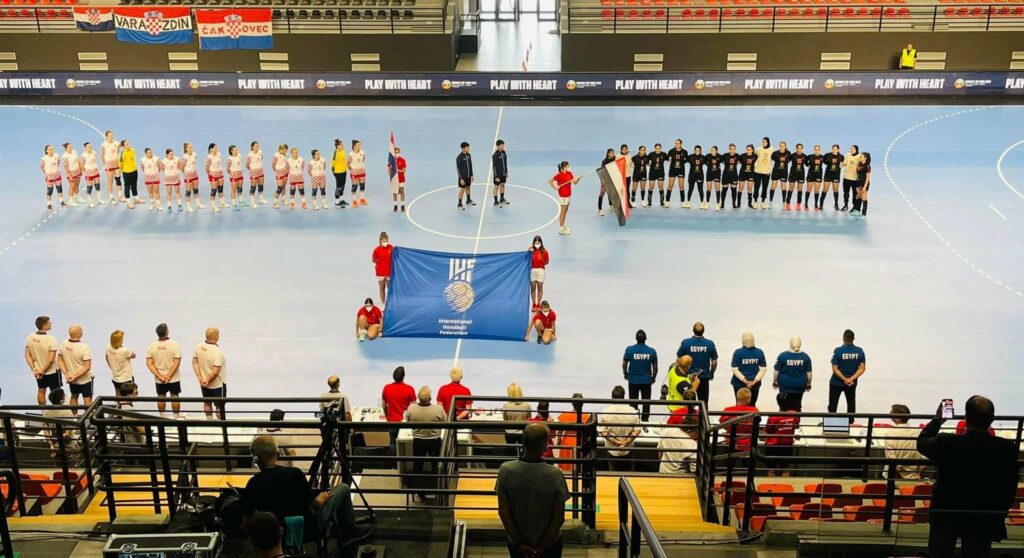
231 29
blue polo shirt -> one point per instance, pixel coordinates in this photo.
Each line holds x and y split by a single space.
702 351
641 364
848 359
749 362
793 369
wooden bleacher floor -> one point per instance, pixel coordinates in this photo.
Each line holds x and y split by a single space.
670 503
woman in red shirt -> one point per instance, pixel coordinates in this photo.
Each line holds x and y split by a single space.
781 432
562 183
544 322
369 322
537 264
382 266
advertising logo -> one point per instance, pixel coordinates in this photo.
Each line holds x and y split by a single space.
459 292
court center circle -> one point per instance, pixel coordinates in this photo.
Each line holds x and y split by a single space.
408 215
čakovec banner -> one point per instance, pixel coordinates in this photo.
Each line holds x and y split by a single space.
449 295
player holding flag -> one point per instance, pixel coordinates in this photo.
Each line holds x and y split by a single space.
396 174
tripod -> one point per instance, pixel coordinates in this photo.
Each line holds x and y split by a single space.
332 456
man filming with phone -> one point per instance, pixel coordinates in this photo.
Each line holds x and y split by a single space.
976 482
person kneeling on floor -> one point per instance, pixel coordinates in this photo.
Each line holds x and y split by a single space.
369 321
285 492
544 322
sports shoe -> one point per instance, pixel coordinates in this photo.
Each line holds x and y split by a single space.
600 213
223 203
263 201
462 207
845 207
277 204
788 207
539 342
72 202
189 207
304 204
468 202
362 335
138 200
505 202
686 205
49 207
807 207
705 206
799 207
394 208
354 535
363 202
114 201
130 204
214 207
170 209
316 206
535 308
403 208
253 204
497 203
563 231
100 200
718 207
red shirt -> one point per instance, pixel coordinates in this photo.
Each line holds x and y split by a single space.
448 392
961 429
397 397
742 429
382 260
546 321
373 315
550 452
564 182
400 167
677 416
781 429
540 259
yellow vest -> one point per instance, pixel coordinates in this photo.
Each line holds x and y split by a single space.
674 381
128 161
908 59
339 164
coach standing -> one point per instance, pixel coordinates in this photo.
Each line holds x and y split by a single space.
211 370
464 166
41 357
640 368
793 373
163 358
76 363
748 367
705 358
847 366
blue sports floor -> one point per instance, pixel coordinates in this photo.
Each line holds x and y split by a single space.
931 281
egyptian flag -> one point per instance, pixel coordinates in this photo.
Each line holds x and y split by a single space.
613 178
392 164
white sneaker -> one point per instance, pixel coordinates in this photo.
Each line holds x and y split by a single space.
188 206
686 205
362 335
568 230
72 202
718 207
316 205
100 200
131 205
91 205
113 200
252 204
138 200
80 199
224 204
682 205
199 204
600 213
563 231
277 204
214 207
263 200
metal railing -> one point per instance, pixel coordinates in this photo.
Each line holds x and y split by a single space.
634 527
355 18
657 18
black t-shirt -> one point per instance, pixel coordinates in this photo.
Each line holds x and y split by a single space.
607 160
862 171
799 160
657 160
781 159
676 158
815 162
714 163
282 491
732 162
748 160
640 164
696 164
834 162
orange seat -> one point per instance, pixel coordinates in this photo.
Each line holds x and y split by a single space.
870 488
79 483
660 14
863 513
647 14
756 509
39 486
759 522
813 510
713 13
913 515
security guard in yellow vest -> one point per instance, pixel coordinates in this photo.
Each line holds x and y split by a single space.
680 380
908 58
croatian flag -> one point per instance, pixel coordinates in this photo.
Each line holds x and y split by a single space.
153 25
392 164
94 19
235 29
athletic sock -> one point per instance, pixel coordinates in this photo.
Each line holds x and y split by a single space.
495 199
689 194
771 196
668 196
600 202
661 196
864 207
835 196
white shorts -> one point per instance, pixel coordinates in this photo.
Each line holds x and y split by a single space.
382 279
537 274
396 186
563 201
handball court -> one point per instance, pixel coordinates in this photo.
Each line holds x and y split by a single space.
931 281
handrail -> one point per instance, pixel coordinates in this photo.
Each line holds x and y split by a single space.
5 533
633 523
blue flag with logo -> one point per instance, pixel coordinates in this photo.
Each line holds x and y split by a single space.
448 295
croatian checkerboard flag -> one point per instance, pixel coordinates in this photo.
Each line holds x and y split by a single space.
94 19
235 29
153 25
392 164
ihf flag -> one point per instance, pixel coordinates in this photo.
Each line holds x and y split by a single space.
153 25
392 164
234 29
94 19
446 295
613 178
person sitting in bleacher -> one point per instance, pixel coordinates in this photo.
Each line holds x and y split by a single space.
619 425
57 398
780 432
678 415
741 430
285 492
901 442
678 447
265 535
283 441
130 434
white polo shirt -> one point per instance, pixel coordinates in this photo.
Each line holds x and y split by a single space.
163 354
120 362
209 355
75 355
40 345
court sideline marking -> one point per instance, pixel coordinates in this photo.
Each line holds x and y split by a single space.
999 169
49 214
924 220
483 211
999 213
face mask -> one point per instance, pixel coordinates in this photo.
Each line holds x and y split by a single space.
568 168
384 243
537 245
545 312
368 307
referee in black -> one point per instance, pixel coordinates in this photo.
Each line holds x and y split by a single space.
499 161
464 164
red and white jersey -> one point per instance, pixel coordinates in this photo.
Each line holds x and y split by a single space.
89 163
235 165
72 166
213 165
109 150
279 163
357 161
295 166
50 165
188 164
317 167
254 161
172 172
150 168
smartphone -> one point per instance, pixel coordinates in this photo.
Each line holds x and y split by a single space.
947 408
